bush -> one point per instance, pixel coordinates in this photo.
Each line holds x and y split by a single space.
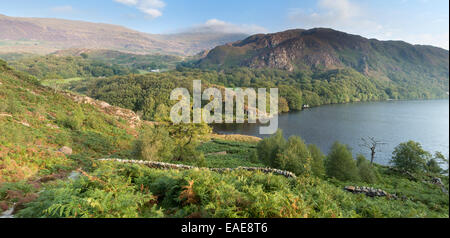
317 164
366 171
75 121
340 163
12 106
190 155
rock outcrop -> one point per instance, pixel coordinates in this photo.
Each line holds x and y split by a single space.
128 115
370 192
438 182
66 150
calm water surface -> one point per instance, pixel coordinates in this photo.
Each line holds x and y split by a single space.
392 122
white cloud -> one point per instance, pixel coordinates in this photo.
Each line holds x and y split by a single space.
348 16
151 8
215 25
62 9
329 13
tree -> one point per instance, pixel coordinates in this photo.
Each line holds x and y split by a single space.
84 55
366 171
340 163
434 164
283 105
372 144
410 157
294 157
186 138
318 158
269 148
162 113
433 167
154 144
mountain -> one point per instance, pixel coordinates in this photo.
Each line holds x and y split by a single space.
43 36
327 49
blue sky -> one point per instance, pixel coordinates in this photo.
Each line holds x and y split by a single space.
414 21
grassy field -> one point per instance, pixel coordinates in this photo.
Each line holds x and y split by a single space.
229 154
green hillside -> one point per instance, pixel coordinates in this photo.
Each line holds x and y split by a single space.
50 143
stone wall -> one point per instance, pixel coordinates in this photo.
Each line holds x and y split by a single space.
161 165
371 192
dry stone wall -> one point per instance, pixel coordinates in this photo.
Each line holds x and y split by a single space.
161 165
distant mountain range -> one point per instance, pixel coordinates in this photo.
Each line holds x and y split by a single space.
327 49
312 50
43 36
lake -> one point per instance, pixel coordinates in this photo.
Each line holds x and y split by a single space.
392 122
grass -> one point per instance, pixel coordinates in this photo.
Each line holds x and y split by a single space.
141 71
238 154
53 82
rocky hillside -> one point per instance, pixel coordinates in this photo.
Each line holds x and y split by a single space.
328 49
41 35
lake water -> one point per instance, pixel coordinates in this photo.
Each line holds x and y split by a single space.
392 122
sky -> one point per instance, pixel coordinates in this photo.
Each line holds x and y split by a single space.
414 21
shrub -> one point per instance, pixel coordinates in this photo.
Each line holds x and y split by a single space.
12 106
189 154
75 121
340 163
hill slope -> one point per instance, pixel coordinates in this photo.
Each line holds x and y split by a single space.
36 121
327 49
41 35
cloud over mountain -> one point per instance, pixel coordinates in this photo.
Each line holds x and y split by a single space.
219 26
354 16
152 8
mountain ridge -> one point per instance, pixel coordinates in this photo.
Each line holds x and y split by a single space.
46 35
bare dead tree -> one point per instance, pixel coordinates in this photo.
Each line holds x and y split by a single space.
372 144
